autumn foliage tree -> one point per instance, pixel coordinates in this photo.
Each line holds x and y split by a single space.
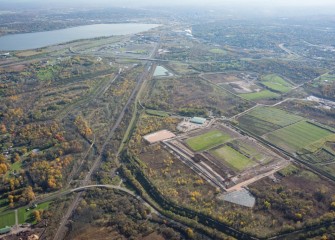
37 215
3 164
46 175
3 128
83 126
28 194
11 200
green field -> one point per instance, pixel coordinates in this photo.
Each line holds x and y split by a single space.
249 151
322 143
327 77
297 136
289 170
16 166
275 116
255 125
3 205
276 83
217 51
7 219
207 140
27 216
265 94
263 120
233 158
47 74
157 113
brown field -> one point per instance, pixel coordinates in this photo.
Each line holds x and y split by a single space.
159 136
238 82
230 77
190 94
244 87
28 53
16 68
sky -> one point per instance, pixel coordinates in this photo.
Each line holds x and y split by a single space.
303 3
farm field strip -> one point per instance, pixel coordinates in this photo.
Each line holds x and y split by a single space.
297 136
275 116
207 140
263 120
256 125
264 94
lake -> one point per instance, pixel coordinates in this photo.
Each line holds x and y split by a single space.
27 41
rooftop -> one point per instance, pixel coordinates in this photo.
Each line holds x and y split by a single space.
198 120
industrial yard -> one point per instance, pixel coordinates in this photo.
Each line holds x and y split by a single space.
224 157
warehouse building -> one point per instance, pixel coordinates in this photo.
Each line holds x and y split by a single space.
198 120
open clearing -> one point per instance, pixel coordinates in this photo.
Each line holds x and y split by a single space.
327 78
217 51
297 136
233 158
7 219
156 113
265 94
230 77
16 166
242 87
207 140
276 83
27 216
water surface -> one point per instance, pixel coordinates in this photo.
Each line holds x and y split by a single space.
27 41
